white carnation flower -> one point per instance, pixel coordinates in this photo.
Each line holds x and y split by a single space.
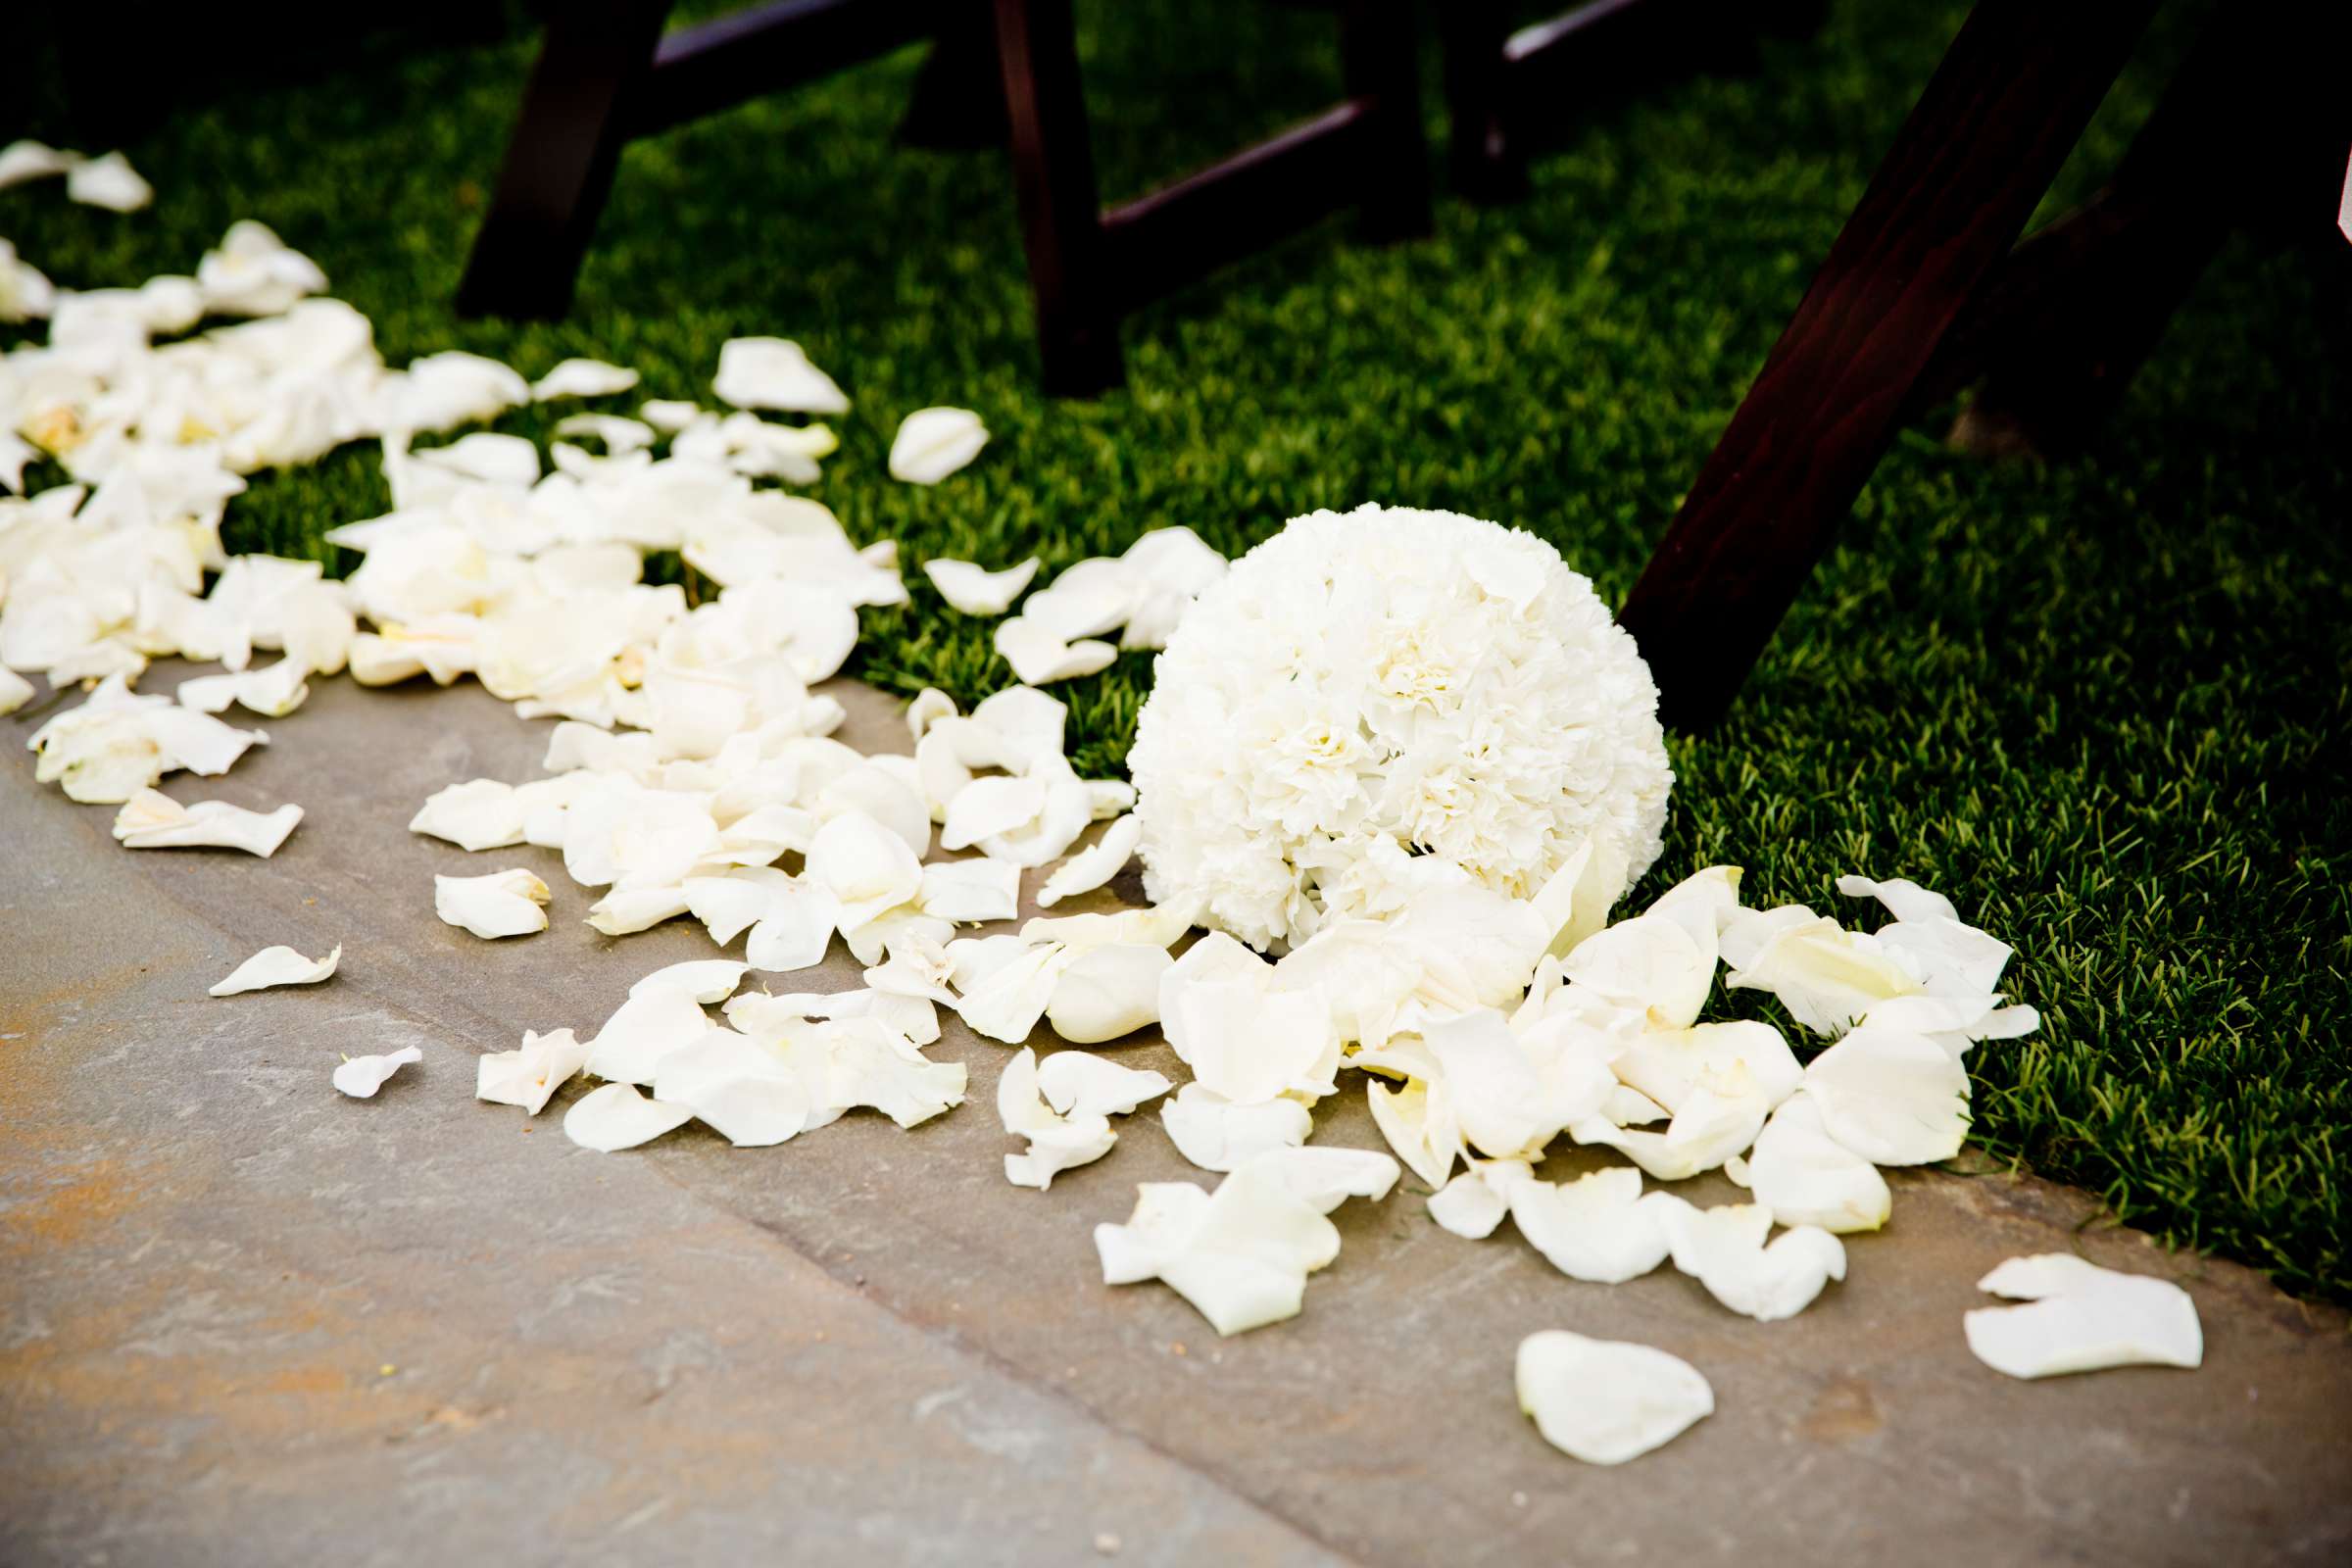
1385 700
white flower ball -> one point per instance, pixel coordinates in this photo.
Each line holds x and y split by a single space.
1384 701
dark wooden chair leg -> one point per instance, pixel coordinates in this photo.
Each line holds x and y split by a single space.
1483 160
1380 63
1054 171
558 167
1973 159
2080 306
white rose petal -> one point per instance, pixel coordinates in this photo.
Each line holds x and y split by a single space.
975 590
277 967
771 373
1724 1249
25 160
583 378
1325 1178
1092 867
933 443
272 692
736 1087
1241 1256
2082 1318
1080 1083
482 814
707 981
1039 658
865 866
644 1030
970 892
668 416
152 820
1824 975
529 1075
361 1077
1806 1177
110 182
1473 1204
1057 1142
1107 991
1606 1402
1893 1098
1647 963
1719 1119
1601 1227
617 1116
1418 1122
504 904
1216 1134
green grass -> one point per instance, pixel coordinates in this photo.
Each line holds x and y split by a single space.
2103 705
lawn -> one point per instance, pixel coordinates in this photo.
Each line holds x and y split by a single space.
2103 705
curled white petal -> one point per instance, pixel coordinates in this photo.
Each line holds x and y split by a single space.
583 378
361 1077
1241 1254
1081 1083
152 820
617 1116
529 1075
975 590
110 182
1095 866
504 904
1107 991
1039 658
277 967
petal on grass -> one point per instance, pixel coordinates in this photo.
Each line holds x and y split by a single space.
974 590
933 443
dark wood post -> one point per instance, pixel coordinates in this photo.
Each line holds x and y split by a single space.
1975 156
1054 169
559 164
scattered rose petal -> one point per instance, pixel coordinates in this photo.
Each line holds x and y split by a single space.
1893 1098
1107 991
2083 1318
529 1075
1606 1402
1095 866
1215 1133
933 443
1724 1249
1039 658
617 1116
773 373
975 590
504 904
277 967
110 182
1601 1227
583 378
361 1077
1806 1177
152 820
1241 1254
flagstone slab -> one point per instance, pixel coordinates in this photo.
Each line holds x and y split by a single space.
245 1320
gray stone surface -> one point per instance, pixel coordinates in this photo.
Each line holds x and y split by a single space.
244 1320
